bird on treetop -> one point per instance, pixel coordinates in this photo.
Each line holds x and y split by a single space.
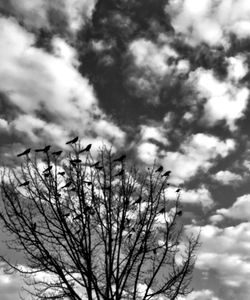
67 185
45 149
179 213
167 173
160 169
26 152
74 140
86 148
178 190
161 211
57 153
24 183
121 158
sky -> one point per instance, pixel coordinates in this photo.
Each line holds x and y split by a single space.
160 80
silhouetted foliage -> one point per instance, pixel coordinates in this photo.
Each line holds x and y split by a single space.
100 227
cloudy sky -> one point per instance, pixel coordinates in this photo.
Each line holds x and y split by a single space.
165 80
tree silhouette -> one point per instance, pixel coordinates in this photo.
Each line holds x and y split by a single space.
103 230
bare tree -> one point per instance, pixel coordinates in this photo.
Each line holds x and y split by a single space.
101 228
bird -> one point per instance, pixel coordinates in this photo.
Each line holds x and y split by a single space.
75 161
161 211
67 185
160 169
167 173
121 172
99 167
26 152
138 200
61 173
121 158
48 169
24 183
87 182
74 140
179 213
86 148
45 149
57 153
95 164
178 190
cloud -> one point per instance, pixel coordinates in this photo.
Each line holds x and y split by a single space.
226 251
51 96
227 177
42 13
224 100
240 210
210 21
199 151
200 295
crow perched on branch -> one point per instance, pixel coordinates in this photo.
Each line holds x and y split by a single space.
86 148
74 140
57 153
26 152
45 149
67 185
120 159
166 174
24 183
178 190
160 169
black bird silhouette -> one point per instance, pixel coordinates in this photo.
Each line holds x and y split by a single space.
87 182
24 183
179 213
57 153
67 185
86 149
45 149
160 169
99 167
27 151
95 164
178 190
75 161
74 140
61 173
48 169
120 173
121 158
166 174
138 200
161 211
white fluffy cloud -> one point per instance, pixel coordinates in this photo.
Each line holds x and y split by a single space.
227 177
35 13
226 251
199 151
225 100
210 21
36 81
200 295
240 210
